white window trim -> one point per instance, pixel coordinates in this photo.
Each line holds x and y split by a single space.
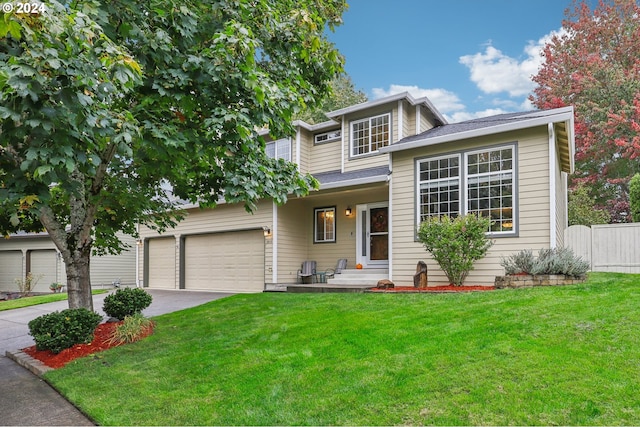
463 179
367 119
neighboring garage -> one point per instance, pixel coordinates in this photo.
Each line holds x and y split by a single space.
45 266
160 257
227 262
10 269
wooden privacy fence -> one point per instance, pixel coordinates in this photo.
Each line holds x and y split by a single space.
608 247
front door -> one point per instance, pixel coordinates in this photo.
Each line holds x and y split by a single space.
373 235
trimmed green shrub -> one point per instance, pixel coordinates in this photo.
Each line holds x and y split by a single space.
126 302
549 261
64 329
456 243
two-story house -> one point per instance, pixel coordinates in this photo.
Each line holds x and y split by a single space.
383 167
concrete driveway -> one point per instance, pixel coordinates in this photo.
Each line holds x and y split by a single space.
25 399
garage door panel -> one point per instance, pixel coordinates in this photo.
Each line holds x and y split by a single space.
10 270
162 263
43 265
231 261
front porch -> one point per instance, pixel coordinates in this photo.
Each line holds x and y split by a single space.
350 280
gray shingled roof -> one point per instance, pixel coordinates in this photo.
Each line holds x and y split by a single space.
475 124
336 178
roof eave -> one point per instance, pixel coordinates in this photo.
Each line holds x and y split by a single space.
353 182
558 115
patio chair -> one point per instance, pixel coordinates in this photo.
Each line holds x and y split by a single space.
340 265
307 270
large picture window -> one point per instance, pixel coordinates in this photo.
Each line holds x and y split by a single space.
480 182
324 225
369 135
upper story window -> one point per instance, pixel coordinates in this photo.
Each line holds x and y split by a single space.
334 135
369 135
280 149
480 182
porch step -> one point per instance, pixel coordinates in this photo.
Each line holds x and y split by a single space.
362 277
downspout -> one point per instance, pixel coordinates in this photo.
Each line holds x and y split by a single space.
274 245
138 255
553 238
400 119
343 145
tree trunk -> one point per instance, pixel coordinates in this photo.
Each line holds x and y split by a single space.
79 279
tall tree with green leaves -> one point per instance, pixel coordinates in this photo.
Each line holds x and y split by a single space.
594 65
343 94
583 210
105 106
634 197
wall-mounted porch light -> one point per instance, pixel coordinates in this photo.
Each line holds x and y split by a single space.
267 231
347 211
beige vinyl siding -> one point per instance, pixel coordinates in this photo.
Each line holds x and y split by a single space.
562 222
105 269
532 205
408 120
294 225
325 157
425 122
307 159
225 217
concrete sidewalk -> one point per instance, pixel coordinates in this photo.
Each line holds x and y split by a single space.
25 399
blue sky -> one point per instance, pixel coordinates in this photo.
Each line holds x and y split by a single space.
471 58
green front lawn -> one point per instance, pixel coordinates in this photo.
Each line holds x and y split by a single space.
38 299
564 355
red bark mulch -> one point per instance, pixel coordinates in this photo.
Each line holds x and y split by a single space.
447 288
102 336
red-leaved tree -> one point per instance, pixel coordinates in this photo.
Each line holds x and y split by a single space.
594 65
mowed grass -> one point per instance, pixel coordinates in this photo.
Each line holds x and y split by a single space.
38 299
543 356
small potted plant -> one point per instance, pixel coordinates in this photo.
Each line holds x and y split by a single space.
56 287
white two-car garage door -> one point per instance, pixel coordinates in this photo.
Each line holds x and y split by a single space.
232 261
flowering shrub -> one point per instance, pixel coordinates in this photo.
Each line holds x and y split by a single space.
456 243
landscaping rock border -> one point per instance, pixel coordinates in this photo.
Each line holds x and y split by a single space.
527 280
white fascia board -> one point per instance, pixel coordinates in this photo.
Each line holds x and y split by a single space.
558 115
317 126
353 182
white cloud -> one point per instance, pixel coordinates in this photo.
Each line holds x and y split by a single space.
494 72
444 100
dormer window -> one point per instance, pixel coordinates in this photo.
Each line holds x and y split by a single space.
370 134
280 149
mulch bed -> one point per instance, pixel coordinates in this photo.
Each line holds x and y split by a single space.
432 289
101 338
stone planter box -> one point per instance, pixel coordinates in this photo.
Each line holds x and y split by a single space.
523 281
